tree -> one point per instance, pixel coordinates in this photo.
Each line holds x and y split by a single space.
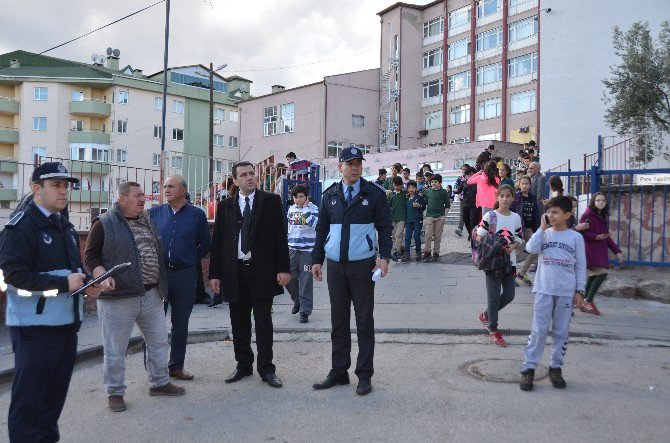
638 90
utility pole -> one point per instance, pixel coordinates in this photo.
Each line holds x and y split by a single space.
163 115
211 125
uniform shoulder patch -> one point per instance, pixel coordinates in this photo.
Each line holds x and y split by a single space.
15 220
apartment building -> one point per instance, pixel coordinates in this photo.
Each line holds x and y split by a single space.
458 71
316 121
104 122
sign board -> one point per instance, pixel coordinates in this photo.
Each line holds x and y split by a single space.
651 179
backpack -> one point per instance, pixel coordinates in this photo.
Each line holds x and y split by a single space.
474 244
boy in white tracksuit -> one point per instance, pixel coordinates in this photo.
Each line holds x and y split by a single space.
561 275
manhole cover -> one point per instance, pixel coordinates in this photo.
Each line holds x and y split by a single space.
499 370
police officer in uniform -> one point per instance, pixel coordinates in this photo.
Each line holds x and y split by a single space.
354 217
41 266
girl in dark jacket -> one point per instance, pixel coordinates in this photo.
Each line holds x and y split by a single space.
597 241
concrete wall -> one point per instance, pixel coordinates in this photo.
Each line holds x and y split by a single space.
576 54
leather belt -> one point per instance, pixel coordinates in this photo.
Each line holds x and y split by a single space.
244 261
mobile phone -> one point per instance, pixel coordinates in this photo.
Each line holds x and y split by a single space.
546 219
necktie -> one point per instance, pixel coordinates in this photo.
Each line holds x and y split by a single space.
56 218
350 194
246 221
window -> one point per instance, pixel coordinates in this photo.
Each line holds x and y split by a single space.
358 120
492 136
77 153
436 166
522 29
177 107
459 81
488 7
433 120
489 108
176 162
77 125
77 96
459 115
158 103
489 74
122 126
177 134
455 141
121 155
229 168
287 117
218 140
522 65
156 160
432 89
433 58
522 102
40 93
234 116
459 48
489 39
123 97
219 114
158 131
40 152
218 165
459 17
334 149
99 155
433 27
39 123
232 142
270 121
156 188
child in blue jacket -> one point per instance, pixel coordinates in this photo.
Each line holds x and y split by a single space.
416 204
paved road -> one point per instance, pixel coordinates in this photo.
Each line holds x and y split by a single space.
617 391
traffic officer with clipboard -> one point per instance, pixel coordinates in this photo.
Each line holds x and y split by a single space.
41 266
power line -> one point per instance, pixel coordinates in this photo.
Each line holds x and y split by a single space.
90 32
301 65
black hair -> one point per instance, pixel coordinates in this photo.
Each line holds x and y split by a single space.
465 165
491 171
406 170
240 165
397 167
491 146
383 171
500 190
291 155
300 189
561 202
437 177
531 143
412 183
397 180
419 174
507 168
556 184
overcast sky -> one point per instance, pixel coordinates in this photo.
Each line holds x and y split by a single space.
254 37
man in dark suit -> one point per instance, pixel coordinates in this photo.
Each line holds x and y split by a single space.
250 256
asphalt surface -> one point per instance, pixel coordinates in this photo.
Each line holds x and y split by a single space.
617 391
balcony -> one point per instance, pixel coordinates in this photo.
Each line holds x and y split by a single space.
93 108
460 61
88 196
491 52
523 43
456 95
97 137
521 79
489 87
7 194
521 6
9 165
84 167
9 135
9 106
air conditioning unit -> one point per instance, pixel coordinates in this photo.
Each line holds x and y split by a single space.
423 132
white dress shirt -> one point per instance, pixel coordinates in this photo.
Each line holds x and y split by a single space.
242 203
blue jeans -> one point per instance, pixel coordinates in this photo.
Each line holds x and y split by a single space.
181 296
413 228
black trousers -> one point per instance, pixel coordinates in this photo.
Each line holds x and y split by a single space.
352 283
44 358
240 319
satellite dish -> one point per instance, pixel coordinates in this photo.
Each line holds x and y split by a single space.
101 59
109 51
94 57
116 53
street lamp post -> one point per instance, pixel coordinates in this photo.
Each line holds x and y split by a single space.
210 151
161 172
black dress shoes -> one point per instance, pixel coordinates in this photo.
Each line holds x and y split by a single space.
272 380
364 386
331 381
238 374
295 309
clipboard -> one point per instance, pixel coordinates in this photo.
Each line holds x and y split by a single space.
99 278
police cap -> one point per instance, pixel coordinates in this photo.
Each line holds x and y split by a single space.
351 153
52 171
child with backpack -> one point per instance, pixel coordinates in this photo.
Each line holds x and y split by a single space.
416 204
561 276
499 235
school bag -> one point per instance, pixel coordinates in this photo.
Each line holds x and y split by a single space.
474 244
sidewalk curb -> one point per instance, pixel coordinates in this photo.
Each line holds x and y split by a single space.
211 335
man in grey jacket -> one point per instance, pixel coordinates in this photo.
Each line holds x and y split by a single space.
127 234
